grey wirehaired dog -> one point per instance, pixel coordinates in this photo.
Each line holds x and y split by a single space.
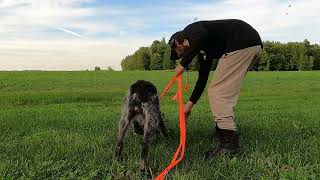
142 109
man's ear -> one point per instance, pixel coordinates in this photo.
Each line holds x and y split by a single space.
176 42
186 43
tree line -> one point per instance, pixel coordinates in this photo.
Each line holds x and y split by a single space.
276 56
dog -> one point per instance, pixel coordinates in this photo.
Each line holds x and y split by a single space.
142 109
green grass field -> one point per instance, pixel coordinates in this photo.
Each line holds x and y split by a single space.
64 124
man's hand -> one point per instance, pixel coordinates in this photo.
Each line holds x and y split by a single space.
187 110
179 69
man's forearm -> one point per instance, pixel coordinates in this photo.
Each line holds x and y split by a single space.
204 72
197 92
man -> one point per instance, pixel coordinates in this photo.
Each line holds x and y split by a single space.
236 44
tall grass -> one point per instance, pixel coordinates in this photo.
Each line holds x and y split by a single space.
63 125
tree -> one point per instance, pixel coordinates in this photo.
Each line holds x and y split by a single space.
301 62
305 63
155 46
275 56
311 63
314 51
110 68
142 59
294 61
167 62
194 65
306 43
156 62
127 62
262 62
145 56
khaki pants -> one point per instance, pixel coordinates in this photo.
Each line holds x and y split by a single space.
224 89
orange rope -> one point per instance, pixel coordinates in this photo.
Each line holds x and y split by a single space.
181 148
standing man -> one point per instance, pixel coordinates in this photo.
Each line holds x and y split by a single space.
236 44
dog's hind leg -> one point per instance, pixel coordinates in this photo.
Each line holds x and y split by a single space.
162 126
145 148
127 114
149 132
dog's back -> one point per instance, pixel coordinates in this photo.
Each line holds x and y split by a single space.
143 90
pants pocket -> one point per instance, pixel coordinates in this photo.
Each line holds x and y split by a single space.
228 54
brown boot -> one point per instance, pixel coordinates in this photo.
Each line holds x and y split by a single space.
228 143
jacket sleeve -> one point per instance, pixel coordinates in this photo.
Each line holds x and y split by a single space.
204 71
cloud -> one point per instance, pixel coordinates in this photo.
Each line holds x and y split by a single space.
49 34
44 14
62 54
274 19
29 40
69 32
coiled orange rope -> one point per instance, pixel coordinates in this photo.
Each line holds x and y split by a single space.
181 149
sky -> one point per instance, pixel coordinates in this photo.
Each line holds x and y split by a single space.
81 34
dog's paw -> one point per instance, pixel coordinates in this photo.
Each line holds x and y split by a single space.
119 158
142 166
165 133
118 155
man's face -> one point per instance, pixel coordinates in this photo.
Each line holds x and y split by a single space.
179 49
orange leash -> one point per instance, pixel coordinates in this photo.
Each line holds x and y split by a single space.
181 148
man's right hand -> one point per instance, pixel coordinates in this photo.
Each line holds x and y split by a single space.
188 109
179 69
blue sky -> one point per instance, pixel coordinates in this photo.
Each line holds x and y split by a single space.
81 34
